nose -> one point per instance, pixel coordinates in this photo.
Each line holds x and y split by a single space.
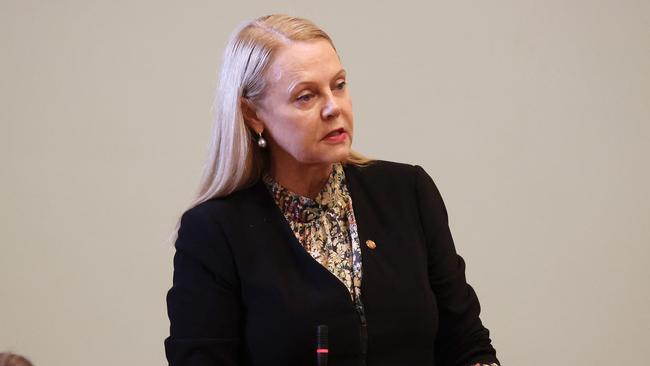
331 109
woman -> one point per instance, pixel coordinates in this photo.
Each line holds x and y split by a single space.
291 229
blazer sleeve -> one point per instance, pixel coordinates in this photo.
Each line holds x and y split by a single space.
462 339
203 303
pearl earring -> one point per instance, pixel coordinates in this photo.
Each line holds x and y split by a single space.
261 142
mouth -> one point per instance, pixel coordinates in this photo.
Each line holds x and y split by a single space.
335 133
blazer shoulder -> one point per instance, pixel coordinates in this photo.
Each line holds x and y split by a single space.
394 177
389 172
383 167
386 179
220 209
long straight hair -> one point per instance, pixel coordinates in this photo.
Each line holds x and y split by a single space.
234 160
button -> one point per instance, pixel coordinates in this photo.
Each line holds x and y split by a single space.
371 244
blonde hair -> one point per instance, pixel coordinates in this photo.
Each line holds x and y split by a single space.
234 160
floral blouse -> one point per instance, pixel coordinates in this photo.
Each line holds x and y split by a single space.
325 226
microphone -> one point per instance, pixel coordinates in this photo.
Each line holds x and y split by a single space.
322 345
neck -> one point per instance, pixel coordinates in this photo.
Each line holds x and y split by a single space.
303 179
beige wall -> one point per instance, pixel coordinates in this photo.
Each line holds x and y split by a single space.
533 117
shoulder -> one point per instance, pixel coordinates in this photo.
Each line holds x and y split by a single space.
387 184
376 167
223 210
393 181
210 225
390 174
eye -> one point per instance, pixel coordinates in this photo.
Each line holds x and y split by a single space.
305 97
341 85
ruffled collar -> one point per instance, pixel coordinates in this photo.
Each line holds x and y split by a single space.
332 198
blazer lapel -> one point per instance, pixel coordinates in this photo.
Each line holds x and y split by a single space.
368 225
275 225
274 222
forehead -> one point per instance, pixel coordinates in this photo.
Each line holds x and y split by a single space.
296 61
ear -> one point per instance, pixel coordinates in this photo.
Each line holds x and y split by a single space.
249 112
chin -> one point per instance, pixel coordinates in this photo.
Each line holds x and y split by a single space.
327 156
339 156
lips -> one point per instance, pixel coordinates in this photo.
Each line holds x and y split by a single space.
336 132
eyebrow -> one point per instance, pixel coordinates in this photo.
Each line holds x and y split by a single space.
294 84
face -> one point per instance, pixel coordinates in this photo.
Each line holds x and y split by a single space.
306 111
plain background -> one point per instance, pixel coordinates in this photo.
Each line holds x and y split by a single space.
533 118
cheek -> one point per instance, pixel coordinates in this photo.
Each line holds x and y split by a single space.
293 133
346 108
348 115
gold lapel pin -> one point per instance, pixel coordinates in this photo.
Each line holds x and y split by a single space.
371 244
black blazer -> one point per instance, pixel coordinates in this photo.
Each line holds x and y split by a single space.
245 292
